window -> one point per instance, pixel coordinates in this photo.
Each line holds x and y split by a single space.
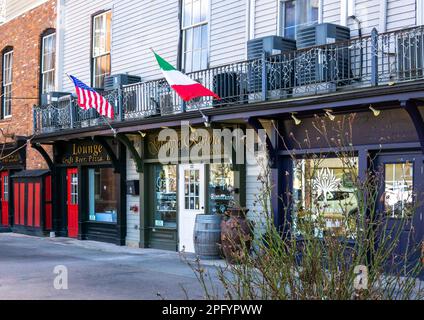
398 189
101 48
195 35
5 188
74 188
324 195
192 189
165 196
296 14
7 84
221 188
48 62
103 197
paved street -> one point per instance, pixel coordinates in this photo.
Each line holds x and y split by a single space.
95 270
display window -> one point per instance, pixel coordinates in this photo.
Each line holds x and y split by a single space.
324 193
103 195
165 206
221 188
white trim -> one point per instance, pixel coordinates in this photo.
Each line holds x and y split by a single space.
382 25
343 12
351 8
60 32
9 83
420 12
321 11
250 20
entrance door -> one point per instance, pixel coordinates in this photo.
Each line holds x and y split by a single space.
403 182
72 193
191 202
4 198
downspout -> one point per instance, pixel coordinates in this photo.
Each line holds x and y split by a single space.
361 59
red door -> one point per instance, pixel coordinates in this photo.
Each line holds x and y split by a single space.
4 198
72 179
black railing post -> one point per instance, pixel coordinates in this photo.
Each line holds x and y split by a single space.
71 113
264 76
374 57
120 103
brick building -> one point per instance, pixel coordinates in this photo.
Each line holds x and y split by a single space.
21 43
27 70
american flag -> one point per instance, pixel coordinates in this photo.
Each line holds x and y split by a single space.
89 98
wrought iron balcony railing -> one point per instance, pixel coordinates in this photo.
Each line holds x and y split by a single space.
358 63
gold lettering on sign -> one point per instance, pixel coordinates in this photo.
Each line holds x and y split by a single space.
94 149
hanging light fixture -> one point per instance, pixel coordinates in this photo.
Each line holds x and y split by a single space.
297 121
142 134
329 114
374 111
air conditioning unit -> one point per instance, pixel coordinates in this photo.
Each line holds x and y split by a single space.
166 104
227 86
410 56
321 69
271 46
115 81
54 98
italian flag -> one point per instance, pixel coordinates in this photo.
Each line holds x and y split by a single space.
186 88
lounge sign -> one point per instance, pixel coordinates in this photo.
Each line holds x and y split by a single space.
12 159
83 153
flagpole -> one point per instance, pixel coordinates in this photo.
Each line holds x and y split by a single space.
102 116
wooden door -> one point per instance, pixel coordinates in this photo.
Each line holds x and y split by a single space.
72 202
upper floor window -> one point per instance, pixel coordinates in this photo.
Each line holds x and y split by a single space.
48 62
195 34
7 83
101 48
296 14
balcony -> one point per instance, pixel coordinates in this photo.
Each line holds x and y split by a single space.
378 59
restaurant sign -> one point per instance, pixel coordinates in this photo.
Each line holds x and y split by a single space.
86 152
11 160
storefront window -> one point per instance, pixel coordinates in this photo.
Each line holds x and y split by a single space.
398 187
325 196
221 188
103 195
166 196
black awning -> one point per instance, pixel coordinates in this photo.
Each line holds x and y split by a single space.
31 173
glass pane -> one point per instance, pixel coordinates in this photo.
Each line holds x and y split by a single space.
103 201
166 196
398 187
187 15
324 195
221 188
289 19
196 11
204 10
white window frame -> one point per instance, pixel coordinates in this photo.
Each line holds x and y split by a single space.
94 55
281 14
193 26
7 82
43 61
420 12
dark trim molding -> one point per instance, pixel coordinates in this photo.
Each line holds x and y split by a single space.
130 145
411 107
44 154
272 151
113 157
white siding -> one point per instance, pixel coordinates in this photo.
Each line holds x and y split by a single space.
139 26
331 11
227 31
133 218
77 42
401 14
266 12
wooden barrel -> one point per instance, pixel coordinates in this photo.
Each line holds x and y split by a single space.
207 236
